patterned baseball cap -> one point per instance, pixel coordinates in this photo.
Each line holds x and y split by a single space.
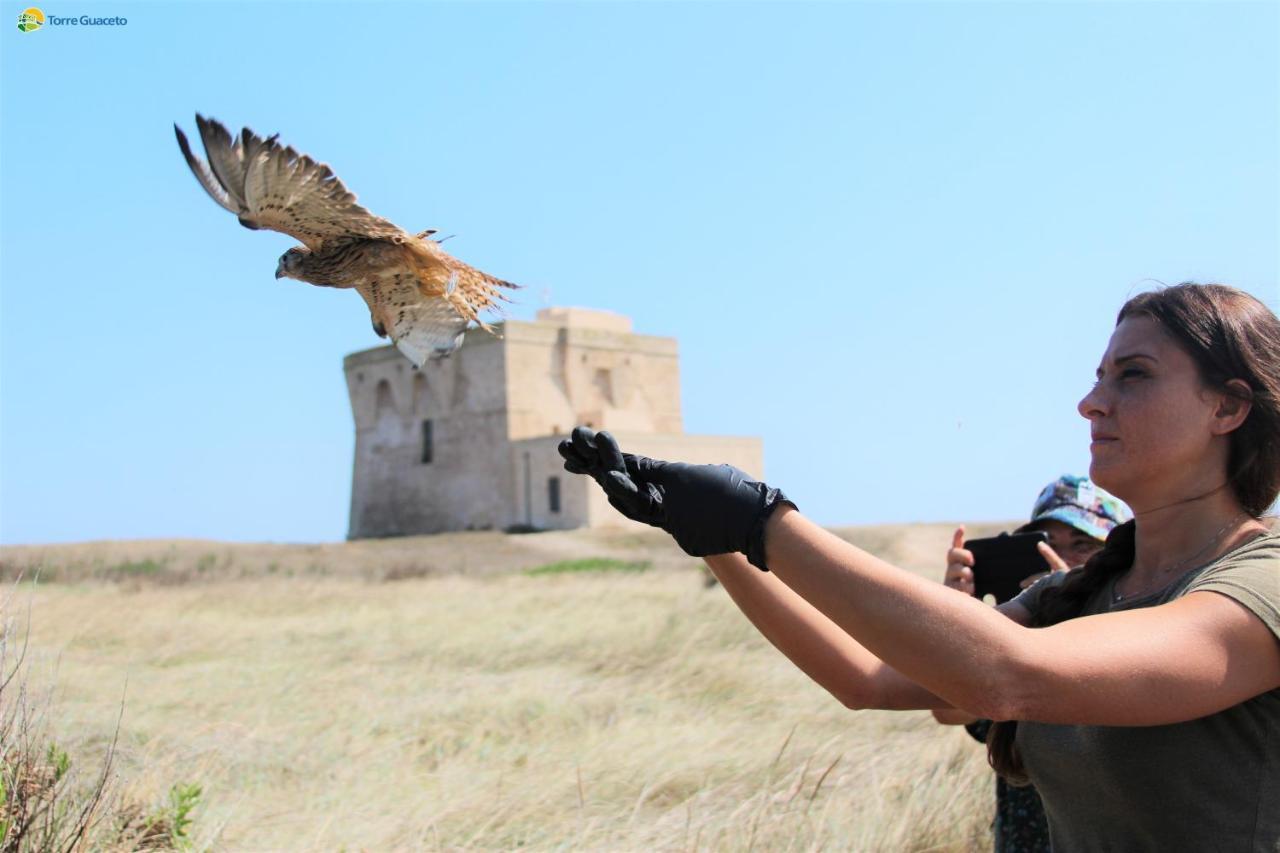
1080 503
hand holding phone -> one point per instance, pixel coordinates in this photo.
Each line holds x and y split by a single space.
959 573
1000 563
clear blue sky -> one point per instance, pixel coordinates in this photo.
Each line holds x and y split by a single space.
891 239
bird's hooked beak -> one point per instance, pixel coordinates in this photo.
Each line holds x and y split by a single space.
280 269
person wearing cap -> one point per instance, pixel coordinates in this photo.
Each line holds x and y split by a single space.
1077 516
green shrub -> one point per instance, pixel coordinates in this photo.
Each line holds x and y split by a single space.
590 564
49 804
135 568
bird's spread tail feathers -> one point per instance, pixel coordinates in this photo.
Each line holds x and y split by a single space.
466 288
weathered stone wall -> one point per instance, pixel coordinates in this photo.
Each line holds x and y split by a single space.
534 464
497 409
563 371
467 483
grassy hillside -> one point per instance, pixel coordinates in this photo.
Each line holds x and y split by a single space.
918 547
435 693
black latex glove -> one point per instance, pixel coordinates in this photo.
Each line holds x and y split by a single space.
708 509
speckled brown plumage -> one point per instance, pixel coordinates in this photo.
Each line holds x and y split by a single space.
417 293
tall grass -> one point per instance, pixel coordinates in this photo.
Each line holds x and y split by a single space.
53 797
45 805
598 710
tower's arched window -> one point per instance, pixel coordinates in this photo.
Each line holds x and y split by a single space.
603 380
385 403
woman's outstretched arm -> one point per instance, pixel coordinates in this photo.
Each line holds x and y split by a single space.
815 644
1195 656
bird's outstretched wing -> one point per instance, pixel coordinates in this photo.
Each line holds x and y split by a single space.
269 185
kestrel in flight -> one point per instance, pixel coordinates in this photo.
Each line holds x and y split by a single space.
418 295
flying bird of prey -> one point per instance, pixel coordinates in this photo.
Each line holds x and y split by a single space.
418 294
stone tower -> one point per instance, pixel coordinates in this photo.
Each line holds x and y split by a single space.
469 442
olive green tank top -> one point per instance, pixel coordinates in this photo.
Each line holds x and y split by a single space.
1206 784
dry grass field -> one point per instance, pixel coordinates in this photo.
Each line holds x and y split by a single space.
434 693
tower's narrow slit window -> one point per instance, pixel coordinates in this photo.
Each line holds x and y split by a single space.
428 451
553 494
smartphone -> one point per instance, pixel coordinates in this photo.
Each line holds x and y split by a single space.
1001 562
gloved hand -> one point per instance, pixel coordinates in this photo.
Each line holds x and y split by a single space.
708 509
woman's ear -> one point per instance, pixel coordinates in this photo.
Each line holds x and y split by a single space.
1234 405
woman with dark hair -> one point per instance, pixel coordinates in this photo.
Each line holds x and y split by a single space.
1140 693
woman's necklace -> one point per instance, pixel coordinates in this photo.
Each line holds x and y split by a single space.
1118 596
